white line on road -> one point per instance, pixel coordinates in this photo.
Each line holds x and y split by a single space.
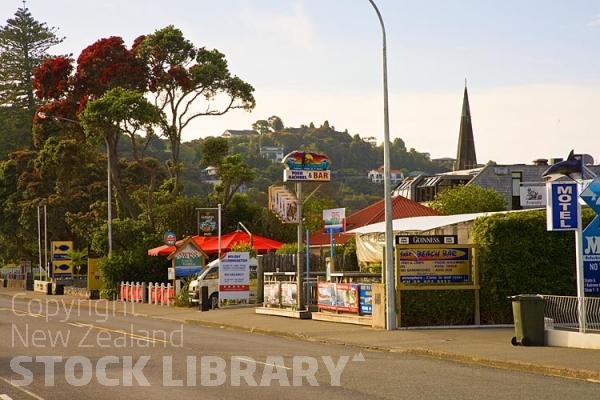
119 331
35 396
260 362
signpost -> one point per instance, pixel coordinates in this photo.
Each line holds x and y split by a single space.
304 166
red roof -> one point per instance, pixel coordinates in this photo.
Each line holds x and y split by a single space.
401 208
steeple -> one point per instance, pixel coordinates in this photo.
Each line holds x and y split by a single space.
465 156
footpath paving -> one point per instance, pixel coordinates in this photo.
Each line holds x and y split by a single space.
487 346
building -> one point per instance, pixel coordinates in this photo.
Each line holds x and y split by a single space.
210 175
376 175
465 156
521 185
231 133
272 153
401 208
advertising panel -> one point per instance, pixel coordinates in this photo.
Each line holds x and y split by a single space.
289 293
188 261
437 264
591 240
61 261
234 277
591 257
271 293
365 299
306 166
532 194
562 209
208 222
334 220
346 297
337 296
284 204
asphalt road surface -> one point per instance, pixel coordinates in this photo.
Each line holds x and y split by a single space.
55 350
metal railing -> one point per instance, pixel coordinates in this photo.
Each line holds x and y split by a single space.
566 312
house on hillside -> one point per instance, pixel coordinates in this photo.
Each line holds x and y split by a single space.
210 175
376 175
272 153
231 133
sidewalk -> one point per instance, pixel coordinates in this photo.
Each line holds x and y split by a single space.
487 346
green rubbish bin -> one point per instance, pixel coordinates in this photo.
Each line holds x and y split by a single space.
528 315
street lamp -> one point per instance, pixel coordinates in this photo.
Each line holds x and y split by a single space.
43 115
390 288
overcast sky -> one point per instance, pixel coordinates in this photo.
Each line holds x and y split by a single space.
532 66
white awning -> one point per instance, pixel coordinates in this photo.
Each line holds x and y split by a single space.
420 224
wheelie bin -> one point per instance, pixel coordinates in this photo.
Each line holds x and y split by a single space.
528 315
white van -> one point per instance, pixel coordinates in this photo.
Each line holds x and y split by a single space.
210 277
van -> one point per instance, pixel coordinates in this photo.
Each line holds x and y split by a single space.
209 277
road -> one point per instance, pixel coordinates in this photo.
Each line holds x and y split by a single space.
56 350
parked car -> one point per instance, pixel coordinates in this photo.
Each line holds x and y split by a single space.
210 277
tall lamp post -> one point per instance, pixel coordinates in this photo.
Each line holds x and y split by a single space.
390 288
43 115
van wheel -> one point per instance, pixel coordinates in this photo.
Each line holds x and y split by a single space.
214 301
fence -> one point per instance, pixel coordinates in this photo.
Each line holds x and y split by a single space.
286 262
153 293
562 312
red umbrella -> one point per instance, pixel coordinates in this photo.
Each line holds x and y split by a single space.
210 244
260 243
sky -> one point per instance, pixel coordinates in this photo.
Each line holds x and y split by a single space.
532 67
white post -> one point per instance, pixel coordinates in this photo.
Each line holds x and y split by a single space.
581 309
390 288
219 239
109 221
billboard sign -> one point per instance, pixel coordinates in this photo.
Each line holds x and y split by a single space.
532 194
562 211
234 277
284 204
334 220
306 166
434 264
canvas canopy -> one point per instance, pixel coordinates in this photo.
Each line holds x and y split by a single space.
210 244
370 239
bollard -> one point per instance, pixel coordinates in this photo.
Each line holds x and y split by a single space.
204 306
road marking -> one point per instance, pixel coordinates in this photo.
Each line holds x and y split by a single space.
35 396
260 362
20 313
120 331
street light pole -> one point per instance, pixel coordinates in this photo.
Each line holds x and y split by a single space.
109 183
390 287
43 115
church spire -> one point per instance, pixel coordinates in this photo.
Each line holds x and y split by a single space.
465 157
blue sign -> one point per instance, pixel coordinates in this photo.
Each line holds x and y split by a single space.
562 211
182 272
591 257
591 195
365 298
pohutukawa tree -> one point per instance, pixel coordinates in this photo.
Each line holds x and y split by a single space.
188 82
104 65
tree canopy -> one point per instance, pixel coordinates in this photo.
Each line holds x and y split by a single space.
464 199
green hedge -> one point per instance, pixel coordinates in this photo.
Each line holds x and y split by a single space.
516 255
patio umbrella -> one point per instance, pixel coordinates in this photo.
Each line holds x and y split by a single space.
260 243
210 244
